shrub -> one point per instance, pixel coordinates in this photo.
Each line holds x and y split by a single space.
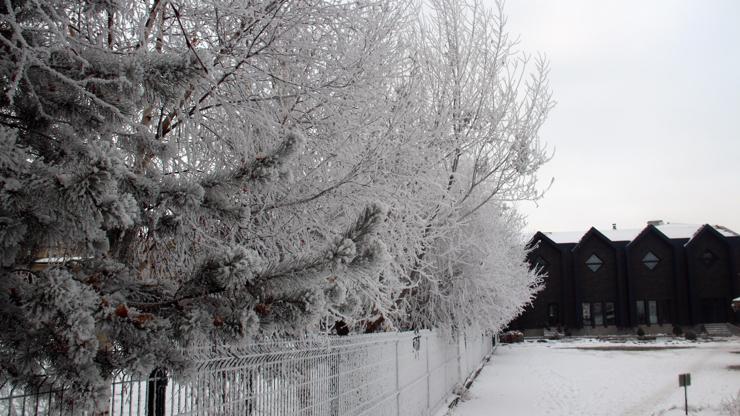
677 330
690 335
640 332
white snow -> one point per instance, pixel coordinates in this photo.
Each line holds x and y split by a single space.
45 260
558 378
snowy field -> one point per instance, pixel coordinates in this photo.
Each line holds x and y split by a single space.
588 377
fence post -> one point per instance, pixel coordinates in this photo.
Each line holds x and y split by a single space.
250 391
459 363
466 355
429 385
156 392
398 385
333 381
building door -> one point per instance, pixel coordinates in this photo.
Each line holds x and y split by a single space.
714 310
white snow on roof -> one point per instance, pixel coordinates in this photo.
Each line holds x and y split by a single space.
672 231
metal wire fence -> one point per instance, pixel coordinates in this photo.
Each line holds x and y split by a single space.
377 374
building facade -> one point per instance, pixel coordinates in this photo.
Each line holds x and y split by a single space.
610 281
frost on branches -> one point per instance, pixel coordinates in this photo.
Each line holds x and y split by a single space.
171 160
482 109
206 171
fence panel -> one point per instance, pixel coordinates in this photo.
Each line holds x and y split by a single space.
376 374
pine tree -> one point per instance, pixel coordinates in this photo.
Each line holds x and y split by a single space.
155 154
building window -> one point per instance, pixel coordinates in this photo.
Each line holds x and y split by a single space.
708 258
653 310
641 317
586 314
647 312
594 262
650 260
553 314
609 313
598 315
540 263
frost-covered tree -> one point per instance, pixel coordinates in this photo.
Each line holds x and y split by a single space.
197 171
202 171
480 109
478 274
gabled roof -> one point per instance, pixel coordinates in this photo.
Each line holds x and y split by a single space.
596 233
540 236
650 229
671 231
706 228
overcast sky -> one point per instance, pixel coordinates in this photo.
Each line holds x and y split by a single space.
647 122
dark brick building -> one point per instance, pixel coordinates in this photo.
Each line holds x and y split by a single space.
614 280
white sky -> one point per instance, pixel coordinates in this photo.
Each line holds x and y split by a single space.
647 123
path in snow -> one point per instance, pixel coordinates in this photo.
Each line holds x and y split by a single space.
556 378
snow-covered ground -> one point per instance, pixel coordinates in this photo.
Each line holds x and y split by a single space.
588 377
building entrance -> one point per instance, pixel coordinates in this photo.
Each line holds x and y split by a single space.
714 310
